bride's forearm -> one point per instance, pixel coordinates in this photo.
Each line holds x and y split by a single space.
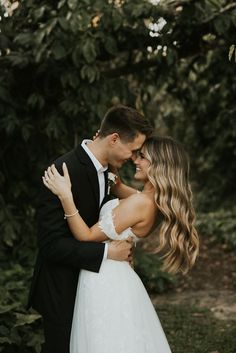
68 204
122 191
119 188
77 226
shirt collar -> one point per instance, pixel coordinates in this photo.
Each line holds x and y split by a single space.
99 167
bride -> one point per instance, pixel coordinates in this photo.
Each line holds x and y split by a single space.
113 312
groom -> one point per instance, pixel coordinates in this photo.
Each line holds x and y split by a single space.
60 257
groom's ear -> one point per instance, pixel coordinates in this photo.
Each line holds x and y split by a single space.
113 138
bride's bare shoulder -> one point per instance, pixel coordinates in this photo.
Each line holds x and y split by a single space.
139 200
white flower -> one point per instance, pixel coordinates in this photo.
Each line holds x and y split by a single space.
112 177
111 181
156 27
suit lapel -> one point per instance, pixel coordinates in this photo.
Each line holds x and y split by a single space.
90 171
93 178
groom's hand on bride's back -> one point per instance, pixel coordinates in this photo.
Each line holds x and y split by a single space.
120 250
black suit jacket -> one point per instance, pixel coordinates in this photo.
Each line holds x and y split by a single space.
60 256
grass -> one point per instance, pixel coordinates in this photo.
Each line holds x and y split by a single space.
193 330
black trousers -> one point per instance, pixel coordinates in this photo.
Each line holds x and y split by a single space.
57 337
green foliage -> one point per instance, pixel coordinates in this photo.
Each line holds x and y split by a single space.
231 52
62 64
220 225
148 266
19 330
204 95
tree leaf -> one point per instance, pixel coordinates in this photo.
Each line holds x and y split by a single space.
58 51
39 12
23 39
50 25
76 56
5 340
39 36
89 72
110 45
60 4
25 319
63 23
7 308
231 51
72 4
89 50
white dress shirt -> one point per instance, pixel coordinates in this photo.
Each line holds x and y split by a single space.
101 178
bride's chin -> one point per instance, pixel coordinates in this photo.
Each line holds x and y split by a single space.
137 177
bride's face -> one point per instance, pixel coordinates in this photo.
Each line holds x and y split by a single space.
142 165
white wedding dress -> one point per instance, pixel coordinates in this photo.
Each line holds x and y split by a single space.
113 312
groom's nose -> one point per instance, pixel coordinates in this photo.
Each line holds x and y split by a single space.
134 156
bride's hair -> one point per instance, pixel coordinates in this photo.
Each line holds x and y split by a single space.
169 174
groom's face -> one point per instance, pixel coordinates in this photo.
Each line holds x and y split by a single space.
122 151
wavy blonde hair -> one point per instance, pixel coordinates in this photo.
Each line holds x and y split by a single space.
169 174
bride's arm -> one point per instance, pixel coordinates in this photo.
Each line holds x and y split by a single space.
122 191
123 218
119 189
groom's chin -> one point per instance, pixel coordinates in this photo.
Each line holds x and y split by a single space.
120 164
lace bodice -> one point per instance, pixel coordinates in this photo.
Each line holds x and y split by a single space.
107 225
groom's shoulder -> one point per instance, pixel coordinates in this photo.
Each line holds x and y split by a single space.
70 157
65 157
75 160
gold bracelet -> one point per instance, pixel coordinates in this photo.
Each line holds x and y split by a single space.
70 215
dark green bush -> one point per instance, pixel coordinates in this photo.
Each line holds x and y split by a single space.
20 331
148 266
219 225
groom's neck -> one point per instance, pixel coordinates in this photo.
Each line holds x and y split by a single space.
99 149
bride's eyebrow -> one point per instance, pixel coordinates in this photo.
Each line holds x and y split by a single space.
140 152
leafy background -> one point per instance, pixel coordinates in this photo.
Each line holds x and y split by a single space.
62 65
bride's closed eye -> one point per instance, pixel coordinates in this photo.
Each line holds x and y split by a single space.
141 155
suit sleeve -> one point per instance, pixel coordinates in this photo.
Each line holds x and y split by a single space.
55 241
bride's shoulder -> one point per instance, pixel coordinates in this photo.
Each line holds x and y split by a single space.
140 200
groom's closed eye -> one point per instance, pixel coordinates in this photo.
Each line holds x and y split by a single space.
135 153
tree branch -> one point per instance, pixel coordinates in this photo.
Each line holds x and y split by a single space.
128 69
225 9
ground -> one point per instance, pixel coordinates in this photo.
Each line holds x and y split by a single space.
210 284
198 313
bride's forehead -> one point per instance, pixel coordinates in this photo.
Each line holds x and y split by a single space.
143 150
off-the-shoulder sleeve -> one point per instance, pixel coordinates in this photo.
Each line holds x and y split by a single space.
106 224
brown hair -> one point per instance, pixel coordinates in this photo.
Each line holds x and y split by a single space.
125 121
169 174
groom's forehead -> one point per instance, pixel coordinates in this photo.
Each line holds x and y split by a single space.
138 142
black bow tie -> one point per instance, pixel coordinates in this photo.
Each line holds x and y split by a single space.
106 182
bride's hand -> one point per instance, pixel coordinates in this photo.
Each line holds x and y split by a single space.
59 184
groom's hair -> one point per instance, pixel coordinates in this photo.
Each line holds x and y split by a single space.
125 121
